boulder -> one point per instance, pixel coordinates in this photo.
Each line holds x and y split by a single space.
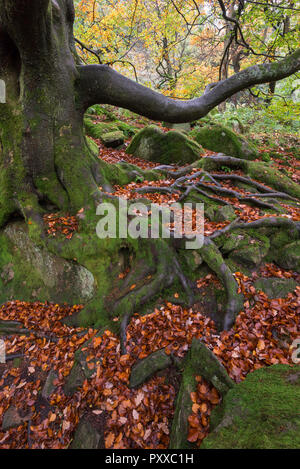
90 431
75 379
81 369
221 139
12 419
219 214
113 139
289 256
276 287
99 129
145 368
206 364
200 361
49 385
152 144
249 251
259 413
28 271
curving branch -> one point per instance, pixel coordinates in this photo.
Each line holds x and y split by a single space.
100 84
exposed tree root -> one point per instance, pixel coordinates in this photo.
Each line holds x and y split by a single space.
266 191
231 193
270 222
199 361
167 271
255 170
154 190
215 261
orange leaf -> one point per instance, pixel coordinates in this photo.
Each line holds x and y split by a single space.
97 341
109 440
193 435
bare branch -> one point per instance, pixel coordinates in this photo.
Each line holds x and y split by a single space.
102 84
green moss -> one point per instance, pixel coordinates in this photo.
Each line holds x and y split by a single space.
50 187
202 362
275 287
99 129
101 111
183 409
221 139
127 129
257 170
93 147
259 413
113 139
151 143
273 177
248 249
288 256
29 272
12 170
145 368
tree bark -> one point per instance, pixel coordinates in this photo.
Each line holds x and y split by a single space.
44 156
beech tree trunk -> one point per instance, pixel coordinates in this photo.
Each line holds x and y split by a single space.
44 155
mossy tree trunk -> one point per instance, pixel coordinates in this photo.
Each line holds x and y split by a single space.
44 156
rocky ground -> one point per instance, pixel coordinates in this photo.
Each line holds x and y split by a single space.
68 386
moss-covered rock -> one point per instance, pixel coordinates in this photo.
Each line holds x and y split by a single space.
113 139
276 287
183 410
257 170
207 365
75 379
90 431
199 361
145 368
289 256
29 272
273 177
13 419
152 144
185 127
81 369
221 139
49 385
99 129
250 251
259 413
219 214
127 129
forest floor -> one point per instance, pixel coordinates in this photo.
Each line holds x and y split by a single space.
138 418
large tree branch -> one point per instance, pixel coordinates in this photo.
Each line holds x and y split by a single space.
27 22
100 84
